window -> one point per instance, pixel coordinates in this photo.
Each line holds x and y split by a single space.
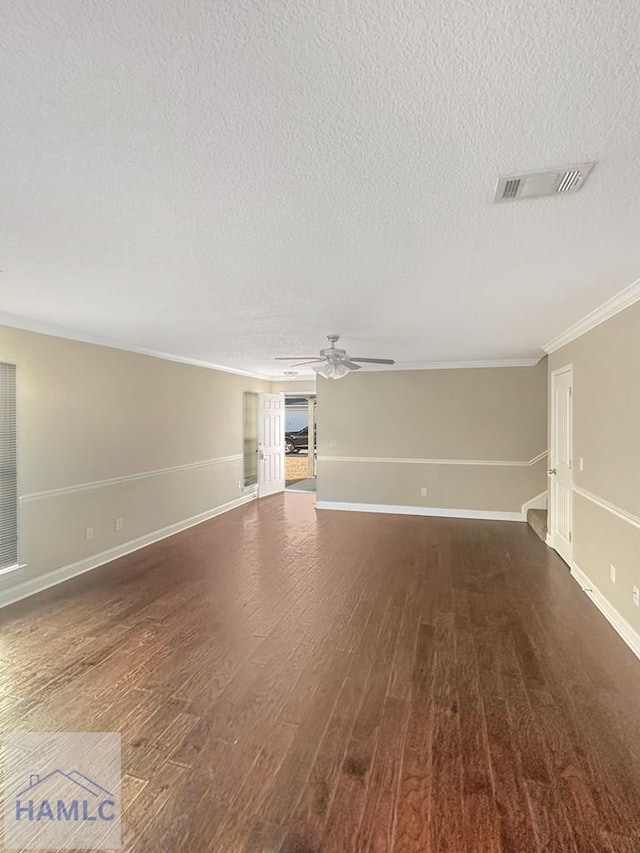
250 421
8 467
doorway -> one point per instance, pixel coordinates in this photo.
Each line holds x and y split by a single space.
300 442
561 463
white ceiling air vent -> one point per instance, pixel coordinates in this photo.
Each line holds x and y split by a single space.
538 184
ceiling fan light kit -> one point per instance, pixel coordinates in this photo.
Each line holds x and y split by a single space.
334 363
332 370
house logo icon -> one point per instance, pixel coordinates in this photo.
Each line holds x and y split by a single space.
61 791
64 797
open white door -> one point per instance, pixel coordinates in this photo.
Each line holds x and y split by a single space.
560 467
271 474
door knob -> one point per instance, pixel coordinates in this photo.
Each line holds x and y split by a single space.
551 471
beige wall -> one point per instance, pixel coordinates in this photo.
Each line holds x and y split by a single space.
303 386
490 415
90 413
606 434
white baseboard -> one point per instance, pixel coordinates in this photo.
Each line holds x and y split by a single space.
619 623
42 582
431 511
538 502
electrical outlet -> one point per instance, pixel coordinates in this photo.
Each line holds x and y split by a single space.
89 534
636 596
612 573
423 492
119 524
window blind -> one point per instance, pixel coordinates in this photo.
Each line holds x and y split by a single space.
8 467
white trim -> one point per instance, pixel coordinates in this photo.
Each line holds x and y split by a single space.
43 328
618 622
612 508
566 368
115 481
403 460
537 502
8 570
38 584
480 364
610 308
431 511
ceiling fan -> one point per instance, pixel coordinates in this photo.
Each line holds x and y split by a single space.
333 363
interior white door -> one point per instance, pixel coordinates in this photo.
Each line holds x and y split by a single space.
561 463
271 473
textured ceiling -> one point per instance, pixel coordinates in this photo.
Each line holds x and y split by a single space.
230 181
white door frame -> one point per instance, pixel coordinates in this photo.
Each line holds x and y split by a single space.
565 552
311 457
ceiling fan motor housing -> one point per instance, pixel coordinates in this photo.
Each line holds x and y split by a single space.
333 353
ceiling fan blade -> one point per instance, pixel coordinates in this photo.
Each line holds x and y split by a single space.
292 357
311 361
373 360
351 364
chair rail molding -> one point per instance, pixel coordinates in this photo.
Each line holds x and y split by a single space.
127 478
404 460
629 517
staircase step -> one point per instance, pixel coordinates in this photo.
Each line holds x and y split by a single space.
537 519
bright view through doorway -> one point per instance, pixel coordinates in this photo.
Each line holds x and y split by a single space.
300 447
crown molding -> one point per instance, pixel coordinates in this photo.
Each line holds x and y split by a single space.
43 328
468 365
305 377
610 308
425 365
27 324
453 365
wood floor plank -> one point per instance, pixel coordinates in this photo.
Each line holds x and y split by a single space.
447 830
621 843
307 823
414 795
552 830
515 825
354 779
376 828
149 803
480 814
290 680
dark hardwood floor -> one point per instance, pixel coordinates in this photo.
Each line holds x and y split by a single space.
291 681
